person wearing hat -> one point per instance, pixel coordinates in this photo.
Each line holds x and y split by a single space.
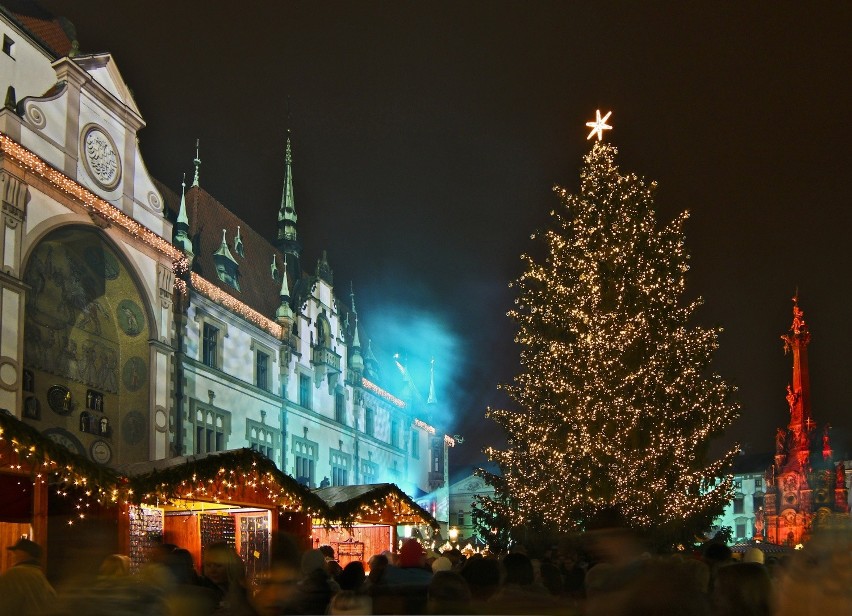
23 588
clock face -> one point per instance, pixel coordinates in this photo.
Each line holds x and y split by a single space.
65 439
101 452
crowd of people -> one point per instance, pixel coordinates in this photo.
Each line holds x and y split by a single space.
609 573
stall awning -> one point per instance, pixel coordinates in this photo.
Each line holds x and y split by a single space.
240 476
382 503
24 450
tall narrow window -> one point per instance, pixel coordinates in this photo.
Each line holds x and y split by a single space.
339 408
394 436
460 520
261 370
370 422
305 391
415 444
209 345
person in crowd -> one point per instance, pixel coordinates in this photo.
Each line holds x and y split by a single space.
442 563
448 594
316 588
716 555
224 572
483 579
411 570
350 602
278 587
352 577
114 566
23 587
377 564
742 589
518 592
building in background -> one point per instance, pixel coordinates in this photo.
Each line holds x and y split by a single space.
140 324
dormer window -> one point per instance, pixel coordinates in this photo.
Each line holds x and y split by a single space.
8 46
226 267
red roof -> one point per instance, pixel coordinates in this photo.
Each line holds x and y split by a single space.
42 24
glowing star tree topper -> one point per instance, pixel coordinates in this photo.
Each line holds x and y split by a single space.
599 125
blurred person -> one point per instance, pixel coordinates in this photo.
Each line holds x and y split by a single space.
518 592
114 566
742 589
225 574
327 551
411 570
818 578
278 587
483 578
352 577
448 594
24 589
350 602
316 587
377 566
442 563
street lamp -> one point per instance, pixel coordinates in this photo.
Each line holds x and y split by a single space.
454 535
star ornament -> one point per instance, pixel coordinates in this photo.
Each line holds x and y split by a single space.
599 125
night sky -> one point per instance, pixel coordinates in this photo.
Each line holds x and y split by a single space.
427 137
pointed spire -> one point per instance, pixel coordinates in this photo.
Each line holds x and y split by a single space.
284 312
274 267
285 287
196 162
432 399
238 243
182 217
356 341
181 228
287 210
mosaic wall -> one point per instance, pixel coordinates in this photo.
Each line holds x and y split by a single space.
86 348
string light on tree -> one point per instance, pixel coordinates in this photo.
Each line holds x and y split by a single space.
616 402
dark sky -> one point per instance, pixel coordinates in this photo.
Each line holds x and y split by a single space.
427 137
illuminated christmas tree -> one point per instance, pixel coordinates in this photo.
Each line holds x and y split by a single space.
617 405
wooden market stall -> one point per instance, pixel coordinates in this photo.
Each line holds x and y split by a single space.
363 520
239 497
46 489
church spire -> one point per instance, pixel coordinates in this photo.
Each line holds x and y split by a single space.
284 314
287 240
197 163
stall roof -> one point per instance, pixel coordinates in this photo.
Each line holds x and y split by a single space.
370 503
239 475
36 454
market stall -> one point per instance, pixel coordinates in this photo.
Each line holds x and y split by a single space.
238 497
46 488
364 520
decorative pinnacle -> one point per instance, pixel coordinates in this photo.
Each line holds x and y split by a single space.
599 125
196 162
352 296
182 217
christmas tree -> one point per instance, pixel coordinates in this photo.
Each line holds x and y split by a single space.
617 404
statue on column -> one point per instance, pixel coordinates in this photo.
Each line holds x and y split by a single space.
780 439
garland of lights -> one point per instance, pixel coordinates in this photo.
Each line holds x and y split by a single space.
216 294
424 426
33 163
382 393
